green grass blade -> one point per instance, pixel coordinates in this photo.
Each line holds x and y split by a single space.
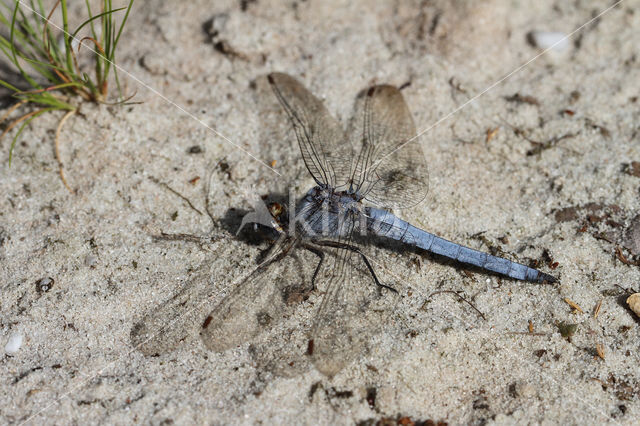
110 50
124 21
28 46
105 37
14 52
43 68
93 28
54 53
32 61
31 33
47 99
117 79
9 86
30 42
65 30
41 8
93 18
90 85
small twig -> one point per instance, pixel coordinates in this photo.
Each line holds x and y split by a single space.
46 89
125 101
623 259
208 190
10 110
596 312
626 290
462 298
45 39
57 148
155 180
18 120
184 237
176 237
526 333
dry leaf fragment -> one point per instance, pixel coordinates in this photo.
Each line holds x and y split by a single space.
33 391
596 312
574 305
600 350
634 168
567 329
491 133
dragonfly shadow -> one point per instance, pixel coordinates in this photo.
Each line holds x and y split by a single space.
252 234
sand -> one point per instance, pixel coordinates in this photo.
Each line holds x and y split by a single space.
537 168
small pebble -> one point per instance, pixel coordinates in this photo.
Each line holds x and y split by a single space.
44 284
547 39
195 149
634 303
14 343
632 236
90 261
525 390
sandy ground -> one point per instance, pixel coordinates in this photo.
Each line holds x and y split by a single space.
539 168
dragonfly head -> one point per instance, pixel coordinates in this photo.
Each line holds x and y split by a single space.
276 210
270 216
279 215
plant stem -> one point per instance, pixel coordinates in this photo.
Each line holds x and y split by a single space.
67 42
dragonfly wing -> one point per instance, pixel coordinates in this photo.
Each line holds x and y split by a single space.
259 300
390 168
177 320
352 308
325 149
257 304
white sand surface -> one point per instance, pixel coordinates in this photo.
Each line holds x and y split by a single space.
553 183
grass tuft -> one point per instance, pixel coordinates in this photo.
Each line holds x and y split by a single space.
44 58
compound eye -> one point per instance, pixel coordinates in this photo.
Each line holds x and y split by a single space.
275 209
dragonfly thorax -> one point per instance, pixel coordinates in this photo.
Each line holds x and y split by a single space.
334 201
328 213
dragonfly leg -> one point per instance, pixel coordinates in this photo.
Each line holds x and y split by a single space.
355 249
318 253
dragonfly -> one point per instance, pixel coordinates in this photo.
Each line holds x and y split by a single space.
360 175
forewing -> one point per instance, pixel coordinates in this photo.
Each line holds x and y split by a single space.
325 148
390 170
